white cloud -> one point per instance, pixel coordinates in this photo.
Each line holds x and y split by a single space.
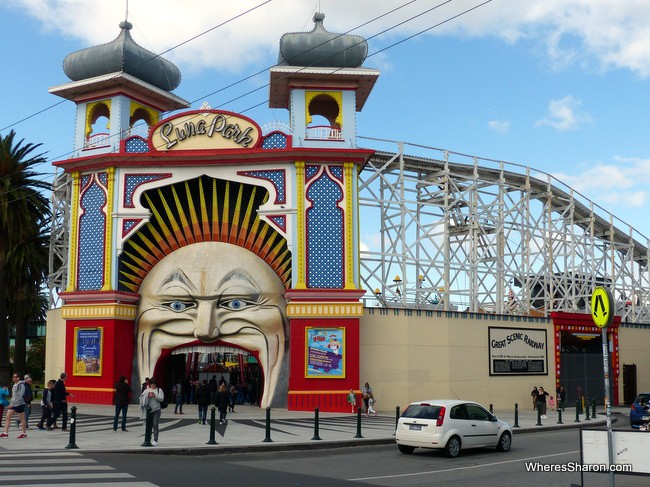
608 33
565 114
501 126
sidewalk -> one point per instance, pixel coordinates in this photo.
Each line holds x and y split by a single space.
246 430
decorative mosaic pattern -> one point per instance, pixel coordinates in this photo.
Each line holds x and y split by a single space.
136 145
84 181
337 172
311 171
127 225
132 181
92 225
275 140
280 222
103 178
324 235
277 177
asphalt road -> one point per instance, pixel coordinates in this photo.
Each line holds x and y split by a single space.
371 465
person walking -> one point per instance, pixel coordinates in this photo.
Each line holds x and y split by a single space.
28 396
223 400
121 399
561 398
541 402
534 393
203 400
366 392
16 406
4 401
60 399
46 405
352 400
232 393
371 402
151 399
177 391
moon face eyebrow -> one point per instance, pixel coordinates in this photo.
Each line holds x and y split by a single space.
177 276
239 275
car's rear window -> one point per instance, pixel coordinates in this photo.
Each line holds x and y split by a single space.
421 411
645 398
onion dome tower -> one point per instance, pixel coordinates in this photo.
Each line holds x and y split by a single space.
319 78
123 82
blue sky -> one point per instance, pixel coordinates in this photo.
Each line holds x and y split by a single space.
560 85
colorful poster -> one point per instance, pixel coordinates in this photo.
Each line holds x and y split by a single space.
88 351
325 353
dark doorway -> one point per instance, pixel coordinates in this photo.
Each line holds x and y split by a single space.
581 367
629 383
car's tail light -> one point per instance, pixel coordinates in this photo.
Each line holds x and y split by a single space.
441 417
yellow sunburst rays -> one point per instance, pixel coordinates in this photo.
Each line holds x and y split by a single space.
205 219
245 226
214 235
169 242
182 230
235 227
195 226
225 215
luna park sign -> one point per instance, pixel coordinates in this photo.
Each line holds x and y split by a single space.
205 130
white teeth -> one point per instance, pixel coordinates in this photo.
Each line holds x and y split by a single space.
206 349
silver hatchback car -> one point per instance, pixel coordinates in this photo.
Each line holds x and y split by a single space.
450 425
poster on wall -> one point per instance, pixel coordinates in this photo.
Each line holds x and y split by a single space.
88 351
325 353
517 351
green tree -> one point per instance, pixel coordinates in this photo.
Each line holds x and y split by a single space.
36 359
23 210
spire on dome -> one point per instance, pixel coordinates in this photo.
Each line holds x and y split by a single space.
122 55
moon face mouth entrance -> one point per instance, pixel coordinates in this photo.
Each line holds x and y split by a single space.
200 361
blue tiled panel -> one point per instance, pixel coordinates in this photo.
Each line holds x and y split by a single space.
92 224
275 141
337 171
311 171
324 235
136 145
132 181
277 177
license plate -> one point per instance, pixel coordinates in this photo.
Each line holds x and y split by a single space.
415 427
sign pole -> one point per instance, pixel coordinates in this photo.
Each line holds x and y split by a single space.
602 312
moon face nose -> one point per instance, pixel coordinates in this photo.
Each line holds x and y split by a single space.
207 326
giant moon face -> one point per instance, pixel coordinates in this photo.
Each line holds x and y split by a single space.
215 293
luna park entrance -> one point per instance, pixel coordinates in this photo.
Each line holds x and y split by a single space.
231 366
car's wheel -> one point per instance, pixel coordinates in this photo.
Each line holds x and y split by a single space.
505 442
406 449
452 448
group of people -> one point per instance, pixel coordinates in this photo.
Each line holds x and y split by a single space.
541 397
367 397
54 403
219 393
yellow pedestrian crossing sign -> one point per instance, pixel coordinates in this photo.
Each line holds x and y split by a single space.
602 307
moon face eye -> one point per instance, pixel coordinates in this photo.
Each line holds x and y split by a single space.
179 306
235 304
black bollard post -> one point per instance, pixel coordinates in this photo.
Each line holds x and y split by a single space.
397 414
213 423
559 416
73 428
577 411
491 409
516 425
316 437
587 412
593 411
267 438
148 423
539 416
358 435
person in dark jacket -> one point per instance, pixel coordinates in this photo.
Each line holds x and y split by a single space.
47 405
60 399
121 400
223 400
203 400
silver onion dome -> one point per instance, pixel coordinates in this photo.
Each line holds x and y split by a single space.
320 48
122 54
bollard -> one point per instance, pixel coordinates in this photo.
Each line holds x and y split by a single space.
577 411
213 425
539 417
587 412
316 437
559 416
148 423
593 411
396 418
358 435
516 425
491 409
267 438
73 428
